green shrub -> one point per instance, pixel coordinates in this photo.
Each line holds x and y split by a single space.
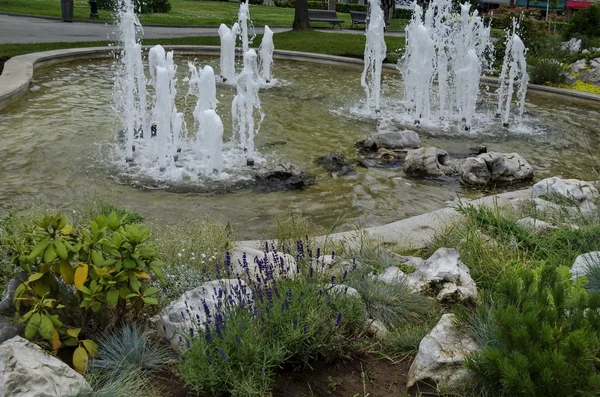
403 13
129 348
405 339
131 383
320 5
545 337
547 71
393 305
141 6
584 22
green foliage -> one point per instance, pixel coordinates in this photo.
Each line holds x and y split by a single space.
585 22
131 383
403 13
291 322
108 263
392 304
546 337
319 5
130 348
548 71
293 227
141 7
126 217
405 338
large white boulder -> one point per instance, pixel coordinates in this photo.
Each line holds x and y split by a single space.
392 140
27 371
192 310
441 356
566 191
583 262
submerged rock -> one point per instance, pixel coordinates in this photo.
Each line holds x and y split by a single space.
27 371
441 356
395 140
429 161
283 177
336 164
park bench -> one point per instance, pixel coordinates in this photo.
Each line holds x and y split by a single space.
358 18
325 16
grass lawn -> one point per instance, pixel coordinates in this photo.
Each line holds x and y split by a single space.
351 45
184 12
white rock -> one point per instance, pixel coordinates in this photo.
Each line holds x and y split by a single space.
27 371
474 171
377 329
445 267
560 190
507 167
428 161
578 66
583 262
441 356
535 224
392 275
344 289
282 265
573 45
188 312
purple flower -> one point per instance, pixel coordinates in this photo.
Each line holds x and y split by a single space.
218 270
295 323
345 275
239 340
305 329
222 352
208 337
207 353
191 332
338 320
332 255
332 279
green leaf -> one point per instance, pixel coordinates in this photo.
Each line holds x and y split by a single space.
68 229
81 274
134 283
49 254
124 293
129 264
67 272
97 258
80 360
112 297
73 332
60 249
32 327
46 327
35 276
91 347
55 321
151 291
150 300
70 342
38 249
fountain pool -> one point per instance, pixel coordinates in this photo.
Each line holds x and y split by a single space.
56 142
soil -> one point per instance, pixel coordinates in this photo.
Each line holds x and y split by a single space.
370 376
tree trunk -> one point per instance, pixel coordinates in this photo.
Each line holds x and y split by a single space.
331 5
301 21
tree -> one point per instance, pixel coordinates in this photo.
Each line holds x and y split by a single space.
301 21
331 4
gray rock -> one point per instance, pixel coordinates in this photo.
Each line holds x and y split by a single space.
445 271
188 312
590 76
578 66
535 225
573 45
344 289
7 306
27 371
428 161
397 140
474 171
507 167
566 191
259 263
377 329
583 262
284 177
336 164
9 329
441 356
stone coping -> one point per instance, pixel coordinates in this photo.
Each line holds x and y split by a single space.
19 70
414 232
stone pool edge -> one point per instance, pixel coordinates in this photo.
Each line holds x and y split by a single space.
414 232
18 71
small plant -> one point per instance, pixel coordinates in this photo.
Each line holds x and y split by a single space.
130 348
406 269
108 264
546 337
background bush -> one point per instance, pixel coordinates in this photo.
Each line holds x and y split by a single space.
585 22
141 7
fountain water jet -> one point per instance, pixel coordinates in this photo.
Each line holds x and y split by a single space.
266 56
243 105
245 23
227 62
375 53
514 72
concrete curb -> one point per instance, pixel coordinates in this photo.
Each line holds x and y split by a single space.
414 232
18 71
